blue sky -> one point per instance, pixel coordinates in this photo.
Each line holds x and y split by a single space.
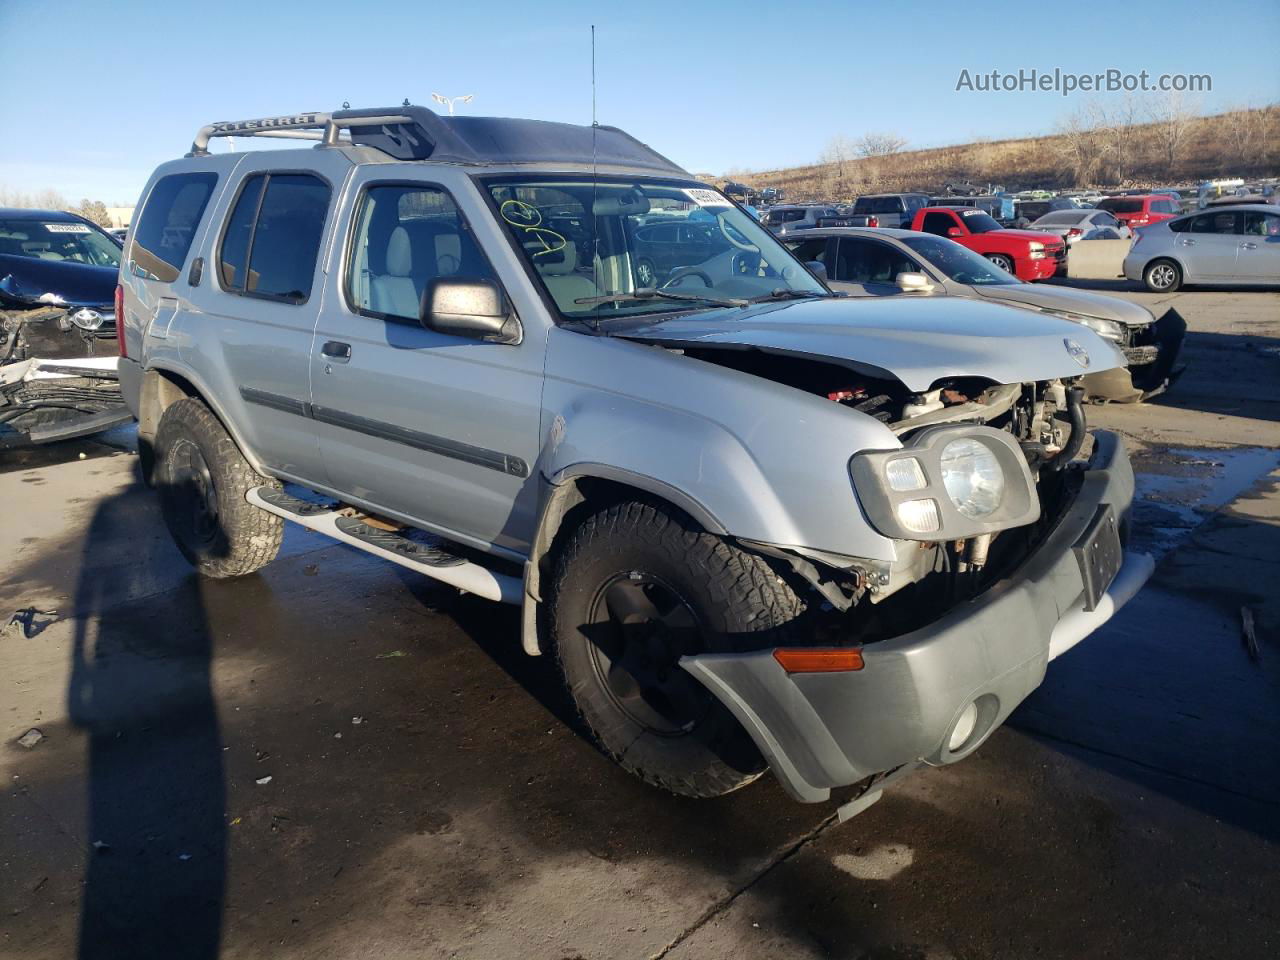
94 95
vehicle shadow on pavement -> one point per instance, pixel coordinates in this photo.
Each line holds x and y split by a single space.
1232 374
155 834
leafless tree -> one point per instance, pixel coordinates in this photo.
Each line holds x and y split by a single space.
1242 127
1172 117
879 145
94 210
837 159
1080 145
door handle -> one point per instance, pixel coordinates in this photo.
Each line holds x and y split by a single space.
1248 245
336 351
1188 243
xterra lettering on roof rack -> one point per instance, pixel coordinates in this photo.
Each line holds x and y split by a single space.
416 133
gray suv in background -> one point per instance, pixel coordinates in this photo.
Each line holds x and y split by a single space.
757 525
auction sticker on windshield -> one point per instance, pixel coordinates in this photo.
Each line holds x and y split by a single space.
66 228
707 198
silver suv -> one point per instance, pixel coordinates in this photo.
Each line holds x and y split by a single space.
758 525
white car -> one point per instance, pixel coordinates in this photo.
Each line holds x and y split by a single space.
1076 225
1237 245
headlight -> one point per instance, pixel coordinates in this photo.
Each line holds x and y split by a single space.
972 477
1103 328
1036 246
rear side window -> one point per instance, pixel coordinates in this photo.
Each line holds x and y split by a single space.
406 236
164 232
272 238
1215 223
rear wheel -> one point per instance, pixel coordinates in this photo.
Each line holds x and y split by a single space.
202 479
1162 276
637 587
1001 261
646 273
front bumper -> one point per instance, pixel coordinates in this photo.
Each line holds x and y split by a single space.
825 730
1153 364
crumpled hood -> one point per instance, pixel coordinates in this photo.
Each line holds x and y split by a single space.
916 340
1070 299
24 280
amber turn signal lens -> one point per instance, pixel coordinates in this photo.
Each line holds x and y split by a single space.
819 660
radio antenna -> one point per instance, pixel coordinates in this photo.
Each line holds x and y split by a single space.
595 181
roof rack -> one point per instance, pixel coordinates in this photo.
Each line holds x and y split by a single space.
412 132
323 127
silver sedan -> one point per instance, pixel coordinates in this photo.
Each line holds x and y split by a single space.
1235 245
1076 225
880 262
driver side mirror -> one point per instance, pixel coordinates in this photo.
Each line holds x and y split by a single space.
818 269
468 307
954 232
911 282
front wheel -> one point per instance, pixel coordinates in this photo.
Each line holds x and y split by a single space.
1162 276
202 479
637 587
1001 261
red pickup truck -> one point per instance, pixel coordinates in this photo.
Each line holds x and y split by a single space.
1027 254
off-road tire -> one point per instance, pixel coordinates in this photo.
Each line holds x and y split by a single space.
1155 274
1001 261
739 601
240 538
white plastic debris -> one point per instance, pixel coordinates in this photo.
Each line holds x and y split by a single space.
30 738
262 781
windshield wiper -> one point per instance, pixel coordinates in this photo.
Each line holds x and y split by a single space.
784 293
650 293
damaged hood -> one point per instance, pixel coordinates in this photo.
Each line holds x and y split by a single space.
918 341
1068 299
24 281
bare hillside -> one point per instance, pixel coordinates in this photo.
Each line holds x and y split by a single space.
1185 149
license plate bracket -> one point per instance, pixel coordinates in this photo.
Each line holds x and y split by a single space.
1099 554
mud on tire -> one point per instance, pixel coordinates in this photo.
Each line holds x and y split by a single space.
202 479
636 585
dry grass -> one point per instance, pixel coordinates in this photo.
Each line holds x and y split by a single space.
1209 150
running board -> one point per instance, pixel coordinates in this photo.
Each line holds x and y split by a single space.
430 560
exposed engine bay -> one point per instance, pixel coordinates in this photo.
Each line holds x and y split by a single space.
1047 420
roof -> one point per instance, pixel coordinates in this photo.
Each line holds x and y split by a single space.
892 232
415 133
24 213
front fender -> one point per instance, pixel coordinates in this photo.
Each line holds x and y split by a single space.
747 457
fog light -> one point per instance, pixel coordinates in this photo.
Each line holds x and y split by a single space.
964 727
918 516
904 474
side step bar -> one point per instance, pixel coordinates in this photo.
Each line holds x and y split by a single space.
432 561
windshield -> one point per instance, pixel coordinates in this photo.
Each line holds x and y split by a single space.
958 263
52 240
979 222
587 239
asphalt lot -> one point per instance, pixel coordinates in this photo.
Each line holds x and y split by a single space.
336 759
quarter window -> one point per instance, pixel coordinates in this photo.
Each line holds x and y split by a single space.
407 236
164 232
273 236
